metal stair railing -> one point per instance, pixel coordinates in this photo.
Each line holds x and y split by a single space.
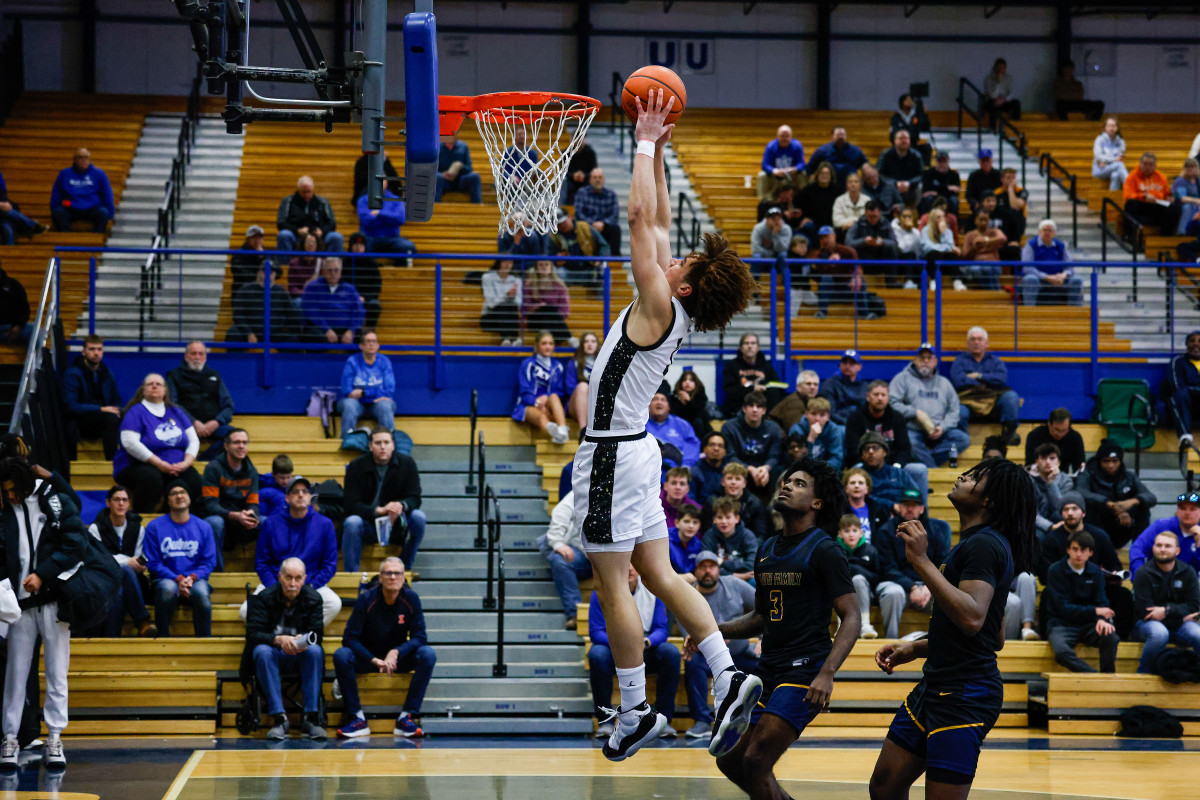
1067 182
43 325
687 236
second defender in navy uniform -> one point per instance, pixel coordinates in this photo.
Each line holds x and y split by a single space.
800 576
941 725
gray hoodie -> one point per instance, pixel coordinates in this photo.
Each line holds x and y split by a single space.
933 395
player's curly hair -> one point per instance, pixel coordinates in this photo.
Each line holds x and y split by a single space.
1011 502
827 485
721 284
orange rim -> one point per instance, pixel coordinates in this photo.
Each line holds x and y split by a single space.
502 106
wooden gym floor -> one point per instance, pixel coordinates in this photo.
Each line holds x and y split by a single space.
1018 765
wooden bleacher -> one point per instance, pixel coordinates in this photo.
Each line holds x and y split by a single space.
276 156
1091 704
719 149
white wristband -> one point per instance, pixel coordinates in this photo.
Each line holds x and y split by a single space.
645 148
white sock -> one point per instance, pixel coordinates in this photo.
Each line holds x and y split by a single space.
716 654
633 690
361 715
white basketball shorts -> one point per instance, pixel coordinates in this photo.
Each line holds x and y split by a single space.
617 484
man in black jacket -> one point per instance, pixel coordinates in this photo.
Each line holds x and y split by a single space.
43 537
1077 608
748 371
1117 500
250 311
1166 596
385 633
200 390
382 501
284 629
303 212
878 416
14 308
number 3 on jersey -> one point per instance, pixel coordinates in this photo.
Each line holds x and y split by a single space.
776 605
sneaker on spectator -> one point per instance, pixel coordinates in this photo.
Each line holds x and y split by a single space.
868 631
668 732
10 752
701 730
909 285
1029 635
280 729
820 315
959 286
355 728
406 726
558 433
309 729
872 315
148 630
337 690
571 623
604 730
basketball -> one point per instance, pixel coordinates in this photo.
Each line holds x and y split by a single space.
641 82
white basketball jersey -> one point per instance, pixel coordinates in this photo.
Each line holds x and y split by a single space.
626 376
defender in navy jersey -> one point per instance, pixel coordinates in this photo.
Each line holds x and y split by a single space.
940 727
616 473
801 577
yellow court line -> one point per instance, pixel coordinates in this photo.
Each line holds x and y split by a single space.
184 774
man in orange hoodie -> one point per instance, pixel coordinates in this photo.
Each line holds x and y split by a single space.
1147 195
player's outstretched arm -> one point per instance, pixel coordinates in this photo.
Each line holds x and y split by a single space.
820 691
662 218
654 293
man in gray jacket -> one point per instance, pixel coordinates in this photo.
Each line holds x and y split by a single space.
929 405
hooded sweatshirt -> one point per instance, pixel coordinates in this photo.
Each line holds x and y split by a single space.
737 550
83 191
934 395
310 539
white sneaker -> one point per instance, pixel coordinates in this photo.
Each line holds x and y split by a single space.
54 752
868 631
909 285
959 286
10 752
558 433
1029 635
625 741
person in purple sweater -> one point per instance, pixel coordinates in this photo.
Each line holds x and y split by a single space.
660 655
158 447
540 387
546 303
381 226
181 553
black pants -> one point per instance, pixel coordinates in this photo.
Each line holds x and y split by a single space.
103 426
374 308
63 217
1189 251
612 235
1009 108
1092 109
1151 213
548 318
503 320
1063 639
147 486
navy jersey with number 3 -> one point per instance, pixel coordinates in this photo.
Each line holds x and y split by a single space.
796 579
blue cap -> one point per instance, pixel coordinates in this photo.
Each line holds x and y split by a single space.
985 153
852 355
825 230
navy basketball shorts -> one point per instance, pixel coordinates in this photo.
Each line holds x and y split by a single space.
946 725
784 695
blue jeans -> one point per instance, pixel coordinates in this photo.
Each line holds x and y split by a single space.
1008 406
696 675
286 240
270 662
219 526
830 288
131 602
1031 287
984 275
1156 635
1182 405
934 453
567 575
470 183
383 410
166 598
13 223
663 658
347 665
390 244
355 531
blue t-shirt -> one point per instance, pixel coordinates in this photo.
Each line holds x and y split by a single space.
864 518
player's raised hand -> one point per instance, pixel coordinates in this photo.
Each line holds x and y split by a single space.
652 118
891 656
916 540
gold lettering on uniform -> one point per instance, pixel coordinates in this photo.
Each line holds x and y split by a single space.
780 578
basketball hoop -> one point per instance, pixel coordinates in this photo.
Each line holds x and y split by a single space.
550 128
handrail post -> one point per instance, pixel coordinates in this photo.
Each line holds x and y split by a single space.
1016 309
268 361
1171 283
924 292
937 309
470 487
480 541
1074 214
607 296
92 295
774 318
489 597
1095 325
499 669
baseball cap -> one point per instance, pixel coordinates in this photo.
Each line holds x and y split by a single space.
985 153
943 155
1188 497
852 355
912 496
774 211
1072 498
707 555
254 230
825 230
563 216
924 346
298 480
872 437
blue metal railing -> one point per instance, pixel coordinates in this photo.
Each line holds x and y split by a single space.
774 273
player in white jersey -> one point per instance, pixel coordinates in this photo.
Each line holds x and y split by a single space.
617 467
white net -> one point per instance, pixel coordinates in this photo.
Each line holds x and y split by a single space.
529 147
